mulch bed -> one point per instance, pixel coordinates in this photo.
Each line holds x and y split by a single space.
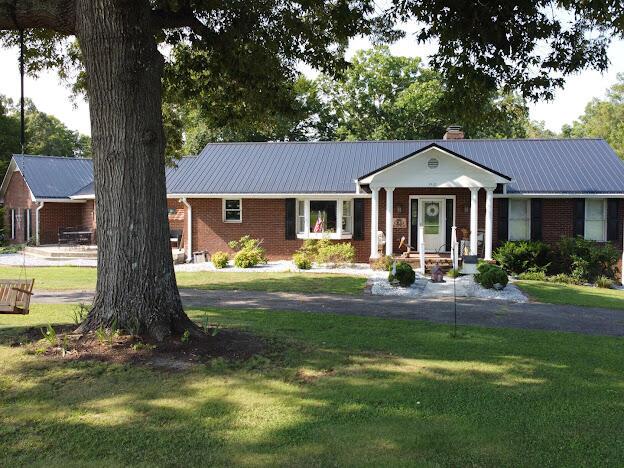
171 354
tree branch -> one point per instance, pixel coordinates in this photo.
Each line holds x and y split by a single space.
163 19
56 15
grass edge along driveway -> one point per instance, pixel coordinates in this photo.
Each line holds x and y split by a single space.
83 278
333 390
586 296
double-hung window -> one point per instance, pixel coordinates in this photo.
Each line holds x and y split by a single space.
347 216
519 219
232 210
595 219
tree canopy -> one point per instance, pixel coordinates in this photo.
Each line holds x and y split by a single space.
603 118
45 134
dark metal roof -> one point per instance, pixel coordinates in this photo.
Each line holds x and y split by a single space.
536 166
53 176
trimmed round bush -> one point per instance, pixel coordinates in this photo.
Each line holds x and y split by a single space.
518 257
405 274
220 259
302 261
488 275
248 258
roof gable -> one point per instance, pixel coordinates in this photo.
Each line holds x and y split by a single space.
451 170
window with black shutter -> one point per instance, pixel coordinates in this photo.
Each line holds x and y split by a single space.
358 219
613 217
290 218
536 219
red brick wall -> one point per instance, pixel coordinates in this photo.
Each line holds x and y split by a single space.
17 197
56 215
264 218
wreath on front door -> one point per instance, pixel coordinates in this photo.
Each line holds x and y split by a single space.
432 210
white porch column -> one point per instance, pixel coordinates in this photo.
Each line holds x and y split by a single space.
374 222
474 219
489 222
389 215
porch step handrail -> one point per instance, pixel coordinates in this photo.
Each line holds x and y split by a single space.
421 247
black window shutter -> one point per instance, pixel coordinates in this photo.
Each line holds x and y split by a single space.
536 219
358 219
579 217
291 219
612 219
449 222
503 219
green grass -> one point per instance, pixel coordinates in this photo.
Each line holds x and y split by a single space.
68 278
343 391
286 282
554 293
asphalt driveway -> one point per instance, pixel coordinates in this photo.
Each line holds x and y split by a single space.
481 312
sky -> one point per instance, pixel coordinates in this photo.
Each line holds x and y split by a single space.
52 96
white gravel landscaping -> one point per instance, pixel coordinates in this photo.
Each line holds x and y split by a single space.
464 287
18 259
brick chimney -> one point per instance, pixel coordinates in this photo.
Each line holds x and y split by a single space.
454 132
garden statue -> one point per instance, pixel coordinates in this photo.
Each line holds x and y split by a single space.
437 276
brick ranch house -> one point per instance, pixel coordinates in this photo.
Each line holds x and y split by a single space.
482 191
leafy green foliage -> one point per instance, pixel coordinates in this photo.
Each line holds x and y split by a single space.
220 259
586 260
249 253
381 96
533 276
404 274
454 273
489 275
336 253
604 282
302 261
518 257
563 278
603 118
383 263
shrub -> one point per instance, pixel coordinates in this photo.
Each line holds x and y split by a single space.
383 263
521 256
562 278
533 276
404 274
249 252
586 260
220 259
604 282
338 253
302 261
454 273
488 275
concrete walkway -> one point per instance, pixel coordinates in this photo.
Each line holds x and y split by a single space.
481 312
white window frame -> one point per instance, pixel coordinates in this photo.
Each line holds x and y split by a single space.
603 219
348 216
240 210
306 234
527 219
27 213
12 223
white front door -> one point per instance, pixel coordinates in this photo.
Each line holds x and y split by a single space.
434 222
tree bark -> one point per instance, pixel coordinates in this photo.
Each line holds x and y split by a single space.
136 285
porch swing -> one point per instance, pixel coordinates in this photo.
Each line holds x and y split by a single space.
15 293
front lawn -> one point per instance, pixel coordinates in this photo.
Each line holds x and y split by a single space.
341 390
554 293
82 278
274 282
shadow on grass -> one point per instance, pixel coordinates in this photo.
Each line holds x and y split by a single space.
340 391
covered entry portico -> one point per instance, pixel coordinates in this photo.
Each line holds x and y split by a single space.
435 177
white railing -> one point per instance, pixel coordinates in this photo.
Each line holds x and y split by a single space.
454 248
421 247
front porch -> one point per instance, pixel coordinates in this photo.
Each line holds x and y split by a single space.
432 207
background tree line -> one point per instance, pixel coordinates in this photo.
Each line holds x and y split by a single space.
45 134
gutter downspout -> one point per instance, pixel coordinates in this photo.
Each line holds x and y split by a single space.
189 230
37 220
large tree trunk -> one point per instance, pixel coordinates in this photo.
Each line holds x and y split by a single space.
136 285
